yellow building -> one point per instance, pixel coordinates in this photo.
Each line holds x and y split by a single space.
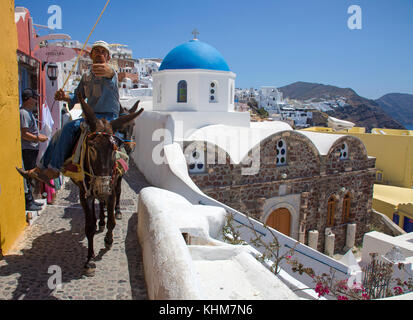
12 209
396 203
393 150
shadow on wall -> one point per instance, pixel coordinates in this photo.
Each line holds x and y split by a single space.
133 250
134 256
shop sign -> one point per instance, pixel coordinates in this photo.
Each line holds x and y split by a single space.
54 54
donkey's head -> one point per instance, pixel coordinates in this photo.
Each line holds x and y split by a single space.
127 130
100 161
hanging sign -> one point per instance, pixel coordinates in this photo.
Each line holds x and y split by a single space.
54 54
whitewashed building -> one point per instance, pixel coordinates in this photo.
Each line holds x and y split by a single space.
302 117
269 98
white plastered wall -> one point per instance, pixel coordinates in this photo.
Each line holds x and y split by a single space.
198 87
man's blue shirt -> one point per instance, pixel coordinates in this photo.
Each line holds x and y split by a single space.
102 93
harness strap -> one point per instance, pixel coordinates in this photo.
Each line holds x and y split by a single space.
87 190
84 132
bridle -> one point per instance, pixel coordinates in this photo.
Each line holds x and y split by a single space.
128 137
106 182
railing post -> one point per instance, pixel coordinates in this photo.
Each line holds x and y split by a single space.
350 236
329 242
313 239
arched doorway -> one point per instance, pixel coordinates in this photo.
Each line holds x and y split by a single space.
280 219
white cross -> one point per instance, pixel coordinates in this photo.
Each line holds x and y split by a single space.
195 33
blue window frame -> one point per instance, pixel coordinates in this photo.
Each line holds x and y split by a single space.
396 218
408 224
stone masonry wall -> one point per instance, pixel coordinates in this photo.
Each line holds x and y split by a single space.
315 177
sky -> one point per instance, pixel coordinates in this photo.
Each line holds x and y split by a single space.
265 42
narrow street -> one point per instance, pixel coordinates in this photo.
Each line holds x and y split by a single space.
57 238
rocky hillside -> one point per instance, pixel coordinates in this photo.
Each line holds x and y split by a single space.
399 106
307 91
361 111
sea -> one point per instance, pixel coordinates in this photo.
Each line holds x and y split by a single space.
409 126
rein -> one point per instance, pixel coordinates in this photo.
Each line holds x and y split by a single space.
92 174
128 140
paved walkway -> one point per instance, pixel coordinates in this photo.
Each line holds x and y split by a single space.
57 239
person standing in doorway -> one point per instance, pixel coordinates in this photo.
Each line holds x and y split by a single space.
30 138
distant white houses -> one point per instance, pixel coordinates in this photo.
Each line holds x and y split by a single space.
301 117
269 98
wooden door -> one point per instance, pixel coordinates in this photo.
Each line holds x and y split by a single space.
280 220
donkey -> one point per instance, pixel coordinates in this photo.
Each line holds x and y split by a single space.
127 132
101 174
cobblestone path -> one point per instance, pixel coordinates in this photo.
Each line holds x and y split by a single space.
57 239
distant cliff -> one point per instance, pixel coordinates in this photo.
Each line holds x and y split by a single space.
361 111
399 106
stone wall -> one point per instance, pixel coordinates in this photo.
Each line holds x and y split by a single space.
381 223
311 176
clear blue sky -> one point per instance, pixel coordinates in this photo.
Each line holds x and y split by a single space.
265 42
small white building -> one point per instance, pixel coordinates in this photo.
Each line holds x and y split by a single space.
269 98
120 51
301 117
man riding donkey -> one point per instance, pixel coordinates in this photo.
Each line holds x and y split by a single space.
100 88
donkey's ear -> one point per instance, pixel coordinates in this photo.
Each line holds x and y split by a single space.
90 116
135 107
121 109
120 122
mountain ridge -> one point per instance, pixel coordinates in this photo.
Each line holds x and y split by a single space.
398 105
359 110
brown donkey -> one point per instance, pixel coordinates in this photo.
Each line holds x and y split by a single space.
127 132
101 174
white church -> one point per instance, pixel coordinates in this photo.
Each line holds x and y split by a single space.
180 137
195 85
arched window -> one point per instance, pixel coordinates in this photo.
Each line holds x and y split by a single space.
331 210
343 149
196 161
346 208
213 91
281 153
182 91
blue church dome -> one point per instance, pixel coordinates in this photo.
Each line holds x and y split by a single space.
194 54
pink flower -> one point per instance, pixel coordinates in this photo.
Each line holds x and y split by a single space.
321 290
398 290
343 285
365 296
342 298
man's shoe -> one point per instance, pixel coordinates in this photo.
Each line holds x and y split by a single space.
32 207
37 174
